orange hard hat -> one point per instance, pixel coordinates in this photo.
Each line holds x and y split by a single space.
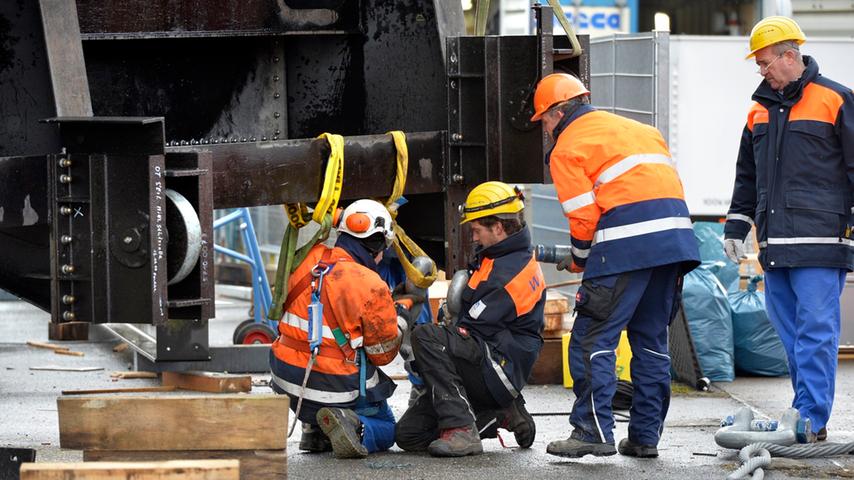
556 88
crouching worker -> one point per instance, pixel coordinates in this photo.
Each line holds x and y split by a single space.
344 406
474 370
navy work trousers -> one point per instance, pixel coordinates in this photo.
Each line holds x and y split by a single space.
643 302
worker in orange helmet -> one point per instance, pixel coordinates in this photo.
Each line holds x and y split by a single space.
343 404
632 237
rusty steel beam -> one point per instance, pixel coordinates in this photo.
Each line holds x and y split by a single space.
287 171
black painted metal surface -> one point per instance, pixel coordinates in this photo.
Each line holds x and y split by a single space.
222 101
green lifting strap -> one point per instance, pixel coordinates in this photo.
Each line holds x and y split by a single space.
557 9
480 17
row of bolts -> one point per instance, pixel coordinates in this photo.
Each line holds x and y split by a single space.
66 240
66 179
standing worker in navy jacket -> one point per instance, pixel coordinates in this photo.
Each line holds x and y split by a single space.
793 180
475 370
631 236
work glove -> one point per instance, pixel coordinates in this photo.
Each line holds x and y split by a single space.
409 300
405 320
734 249
568 265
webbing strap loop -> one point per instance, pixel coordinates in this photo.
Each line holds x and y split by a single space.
400 237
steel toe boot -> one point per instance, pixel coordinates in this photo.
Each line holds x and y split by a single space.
516 419
456 442
629 448
313 439
344 430
575 447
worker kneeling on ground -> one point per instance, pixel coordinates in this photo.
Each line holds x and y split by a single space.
631 236
474 369
344 405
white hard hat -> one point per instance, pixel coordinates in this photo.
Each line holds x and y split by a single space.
364 218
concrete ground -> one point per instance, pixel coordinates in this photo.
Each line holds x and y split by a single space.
28 418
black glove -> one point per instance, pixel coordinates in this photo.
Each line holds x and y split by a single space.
404 314
415 299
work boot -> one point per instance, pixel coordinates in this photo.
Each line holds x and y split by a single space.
313 439
575 447
516 419
629 448
821 435
344 430
456 442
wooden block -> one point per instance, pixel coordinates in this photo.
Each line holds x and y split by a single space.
548 369
556 303
177 469
213 382
68 331
119 390
253 463
552 321
211 422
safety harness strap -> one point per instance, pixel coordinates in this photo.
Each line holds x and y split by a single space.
343 343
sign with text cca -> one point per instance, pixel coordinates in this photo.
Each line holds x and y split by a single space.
597 21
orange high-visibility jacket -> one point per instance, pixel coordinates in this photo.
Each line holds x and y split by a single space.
618 187
362 306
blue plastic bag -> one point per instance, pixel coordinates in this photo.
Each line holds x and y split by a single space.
710 321
757 346
710 237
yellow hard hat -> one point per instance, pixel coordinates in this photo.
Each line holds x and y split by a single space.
491 198
771 30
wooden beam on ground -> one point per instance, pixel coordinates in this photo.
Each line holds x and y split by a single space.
119 390
169 470
46 346
254 464
213 382
69 352
129 375
210 422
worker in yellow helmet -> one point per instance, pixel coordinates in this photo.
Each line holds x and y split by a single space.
793 182
475 368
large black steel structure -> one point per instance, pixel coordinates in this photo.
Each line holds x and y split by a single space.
155 107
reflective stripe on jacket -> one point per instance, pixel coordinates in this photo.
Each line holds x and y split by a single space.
794 174
502 307
618 187
363 308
